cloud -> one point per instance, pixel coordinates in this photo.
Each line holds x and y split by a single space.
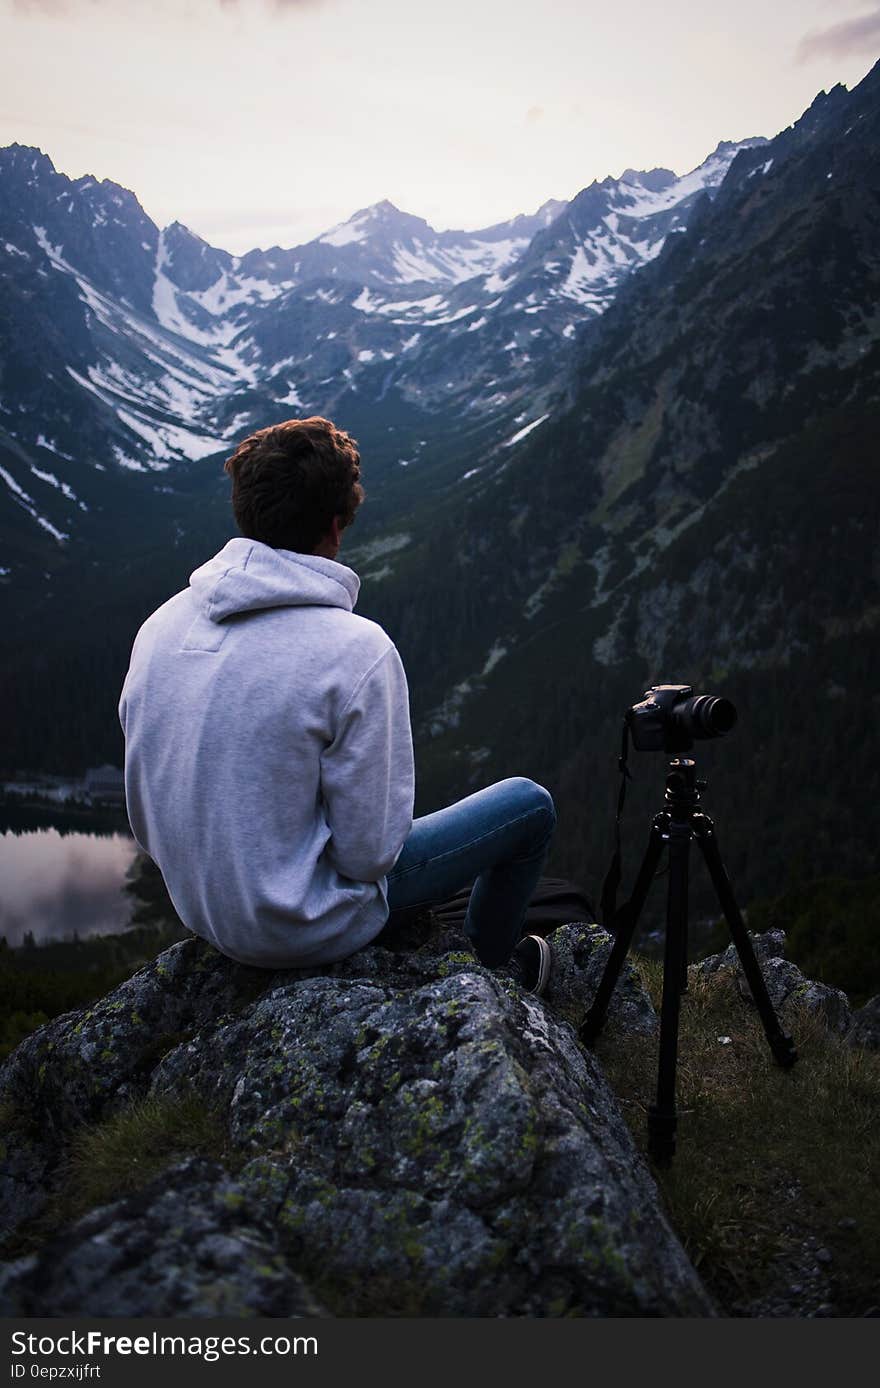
534 114
848 39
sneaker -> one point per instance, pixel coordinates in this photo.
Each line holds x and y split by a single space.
531 963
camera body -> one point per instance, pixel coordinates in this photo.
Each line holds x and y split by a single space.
671 717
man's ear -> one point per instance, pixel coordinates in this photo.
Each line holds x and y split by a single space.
335 531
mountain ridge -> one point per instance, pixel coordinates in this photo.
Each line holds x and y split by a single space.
180 346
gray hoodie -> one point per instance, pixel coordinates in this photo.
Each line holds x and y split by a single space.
268 756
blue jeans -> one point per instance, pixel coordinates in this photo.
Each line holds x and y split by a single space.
499 836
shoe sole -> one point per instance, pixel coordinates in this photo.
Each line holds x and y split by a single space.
545 964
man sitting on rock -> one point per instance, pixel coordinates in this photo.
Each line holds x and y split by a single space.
269 762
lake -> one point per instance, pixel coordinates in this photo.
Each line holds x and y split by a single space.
55 882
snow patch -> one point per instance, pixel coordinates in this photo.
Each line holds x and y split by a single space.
521 433
345 234
129 463
53 252
168 440
496 283
291 398
62 487
453 317
225 293
378 549
498 652
365 303
634 200
236 425
13 486
584 274
43 442
215 300
28 504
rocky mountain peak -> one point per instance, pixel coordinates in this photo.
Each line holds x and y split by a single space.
653 179
379 221
551 208
189 261
384 208
27 159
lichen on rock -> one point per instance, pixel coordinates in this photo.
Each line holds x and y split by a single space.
409 1133
786 985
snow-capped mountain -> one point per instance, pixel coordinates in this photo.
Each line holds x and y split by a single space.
383 302
129 348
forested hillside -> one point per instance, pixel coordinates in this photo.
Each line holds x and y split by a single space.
703 508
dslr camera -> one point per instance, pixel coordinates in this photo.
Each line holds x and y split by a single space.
671 717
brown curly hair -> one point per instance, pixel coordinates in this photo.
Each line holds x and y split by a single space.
291 479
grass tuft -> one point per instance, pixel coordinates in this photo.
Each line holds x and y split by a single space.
765 1158
125 1152
120 1155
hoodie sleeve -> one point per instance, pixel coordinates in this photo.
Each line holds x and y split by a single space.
367 775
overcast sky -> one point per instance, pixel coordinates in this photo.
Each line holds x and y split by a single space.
264 121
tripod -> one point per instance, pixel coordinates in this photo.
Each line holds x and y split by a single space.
677 824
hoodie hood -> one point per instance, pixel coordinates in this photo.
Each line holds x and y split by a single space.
247 576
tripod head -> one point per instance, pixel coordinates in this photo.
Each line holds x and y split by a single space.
683 789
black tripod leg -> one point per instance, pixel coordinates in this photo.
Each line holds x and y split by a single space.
782 1045
661 1116
628 917
684 956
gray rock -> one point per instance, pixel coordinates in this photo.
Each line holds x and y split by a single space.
770 945
412 1133
786 985
580 953
85 1065
193 1239
865 1028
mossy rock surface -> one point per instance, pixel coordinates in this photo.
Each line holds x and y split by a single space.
407 1133
786 985
187 1245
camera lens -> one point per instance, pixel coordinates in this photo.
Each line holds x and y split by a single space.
705 715
715 716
